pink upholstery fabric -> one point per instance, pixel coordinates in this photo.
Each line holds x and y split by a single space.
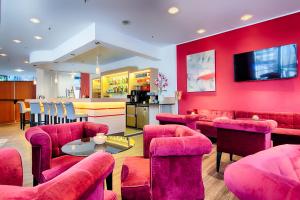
174 171
187 120
243 137
207 128
263 126
68 185
273 174
46 142
284 120
210 115
11 172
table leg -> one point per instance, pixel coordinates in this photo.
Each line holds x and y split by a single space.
109 181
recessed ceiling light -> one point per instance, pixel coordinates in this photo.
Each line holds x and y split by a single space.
17 41
35 20
200 31
173 10
246 17
38 37
26 61
3 54
19 70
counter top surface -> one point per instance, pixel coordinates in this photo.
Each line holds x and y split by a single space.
78 100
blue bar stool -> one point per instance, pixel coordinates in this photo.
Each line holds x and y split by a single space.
47 112
23 111
72 116
53 113
35 109
61 114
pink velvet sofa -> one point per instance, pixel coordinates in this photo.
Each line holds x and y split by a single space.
287 131
83 181
242 137
171 165
272 174
186 120
48 161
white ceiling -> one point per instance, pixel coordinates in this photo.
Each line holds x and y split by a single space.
150 22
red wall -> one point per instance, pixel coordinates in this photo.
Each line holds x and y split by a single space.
275 95
84 84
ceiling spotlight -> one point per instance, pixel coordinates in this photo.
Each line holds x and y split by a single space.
17 41
72 54
19 70
35 20
126 22
26 61
38 37
200 31
173 10
246 17
3 54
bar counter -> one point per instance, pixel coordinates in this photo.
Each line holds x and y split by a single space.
110 111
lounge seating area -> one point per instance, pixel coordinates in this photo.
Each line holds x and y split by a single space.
149 100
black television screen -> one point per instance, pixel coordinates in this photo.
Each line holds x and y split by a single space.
272 63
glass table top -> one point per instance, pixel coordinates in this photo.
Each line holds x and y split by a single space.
87 146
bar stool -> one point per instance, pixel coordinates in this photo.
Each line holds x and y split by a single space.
72 116
53 113
61 114
35 109
23 111
47 112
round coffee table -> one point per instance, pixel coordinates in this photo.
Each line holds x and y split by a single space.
87 146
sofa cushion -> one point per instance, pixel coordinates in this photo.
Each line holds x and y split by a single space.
210 115
109 195
135 178
207 128
296 120
286 131
59 165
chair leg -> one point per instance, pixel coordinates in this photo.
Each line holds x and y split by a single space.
219 156
32 120
39 119
231 156
55 119
86 119
80 119
35 182
21 121
62 120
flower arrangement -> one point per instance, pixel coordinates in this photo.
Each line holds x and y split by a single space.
161 82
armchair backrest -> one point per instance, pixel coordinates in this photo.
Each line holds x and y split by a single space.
10 167
176 161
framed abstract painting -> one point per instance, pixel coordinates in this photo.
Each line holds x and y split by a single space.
201 72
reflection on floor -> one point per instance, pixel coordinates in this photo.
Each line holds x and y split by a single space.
215 188
132 131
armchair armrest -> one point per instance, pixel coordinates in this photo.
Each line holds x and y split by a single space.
91 129
41 150
263 185
180 146
11 167
154 131
87 171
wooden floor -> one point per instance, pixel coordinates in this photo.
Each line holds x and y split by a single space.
214 185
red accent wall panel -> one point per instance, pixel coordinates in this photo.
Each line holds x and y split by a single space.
84 85
273 95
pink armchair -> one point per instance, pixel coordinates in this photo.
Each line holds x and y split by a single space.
83 181
271 174
242 137
48 161
171 167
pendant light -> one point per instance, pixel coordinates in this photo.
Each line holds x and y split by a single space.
98 71
56 79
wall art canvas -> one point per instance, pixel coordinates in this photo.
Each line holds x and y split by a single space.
201 75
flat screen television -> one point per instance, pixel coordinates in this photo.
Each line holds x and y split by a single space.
266 64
